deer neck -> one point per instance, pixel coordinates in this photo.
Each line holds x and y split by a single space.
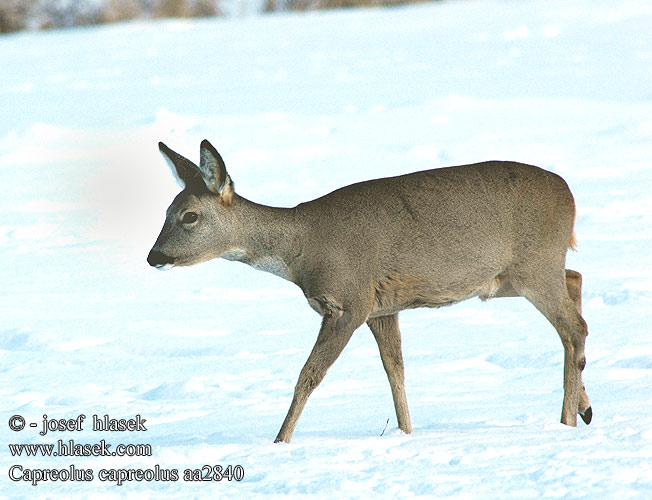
266 238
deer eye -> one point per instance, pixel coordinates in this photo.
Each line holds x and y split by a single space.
189 217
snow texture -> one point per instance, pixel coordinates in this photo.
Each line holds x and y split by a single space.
298 105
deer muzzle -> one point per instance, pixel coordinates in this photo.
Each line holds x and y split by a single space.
159 260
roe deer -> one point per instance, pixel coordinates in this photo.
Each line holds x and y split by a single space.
369 250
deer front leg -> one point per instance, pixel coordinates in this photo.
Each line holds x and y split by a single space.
336 329
388 338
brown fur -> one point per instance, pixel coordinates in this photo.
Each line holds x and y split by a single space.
572 244
226 196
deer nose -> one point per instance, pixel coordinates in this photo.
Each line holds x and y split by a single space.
158 259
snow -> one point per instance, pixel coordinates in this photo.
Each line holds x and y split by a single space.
298 105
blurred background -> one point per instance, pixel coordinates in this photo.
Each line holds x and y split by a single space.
17 15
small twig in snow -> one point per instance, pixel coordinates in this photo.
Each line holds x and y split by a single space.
386 423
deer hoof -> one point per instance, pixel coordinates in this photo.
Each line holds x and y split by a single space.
587 415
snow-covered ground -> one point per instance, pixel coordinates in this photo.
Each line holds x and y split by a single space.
299 105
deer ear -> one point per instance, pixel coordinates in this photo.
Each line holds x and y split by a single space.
213 171
184 171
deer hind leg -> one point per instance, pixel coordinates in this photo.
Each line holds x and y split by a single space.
574 286
388 338
336 330
572 330
549 293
